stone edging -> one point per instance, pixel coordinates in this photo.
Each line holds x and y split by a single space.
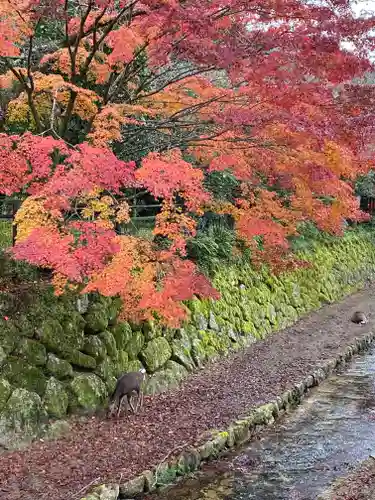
239 432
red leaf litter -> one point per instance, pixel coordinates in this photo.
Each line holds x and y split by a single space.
98 450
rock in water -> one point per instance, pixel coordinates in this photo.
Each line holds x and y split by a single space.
359 318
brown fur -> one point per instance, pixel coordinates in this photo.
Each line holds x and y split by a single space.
127 385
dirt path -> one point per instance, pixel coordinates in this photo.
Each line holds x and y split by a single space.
97 451
358 485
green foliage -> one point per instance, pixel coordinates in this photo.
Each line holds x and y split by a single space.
308 236
211 248
16 270
222 185
365 185
5 234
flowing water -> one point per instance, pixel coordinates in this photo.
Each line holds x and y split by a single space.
299 457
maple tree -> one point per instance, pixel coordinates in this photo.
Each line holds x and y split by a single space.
103 101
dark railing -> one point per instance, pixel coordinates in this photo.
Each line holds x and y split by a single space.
8 209
367 204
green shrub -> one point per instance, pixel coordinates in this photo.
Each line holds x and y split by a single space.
212 248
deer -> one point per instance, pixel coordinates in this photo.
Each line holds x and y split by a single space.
359 318
126 385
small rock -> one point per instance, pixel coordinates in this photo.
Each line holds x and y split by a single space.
213 323
150 483
82 304
133 487
107 492
5 391
201 322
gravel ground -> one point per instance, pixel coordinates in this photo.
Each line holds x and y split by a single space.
98 450
358 485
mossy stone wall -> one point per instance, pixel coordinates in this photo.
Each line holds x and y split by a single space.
64 356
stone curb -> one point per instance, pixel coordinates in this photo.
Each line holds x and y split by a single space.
239 432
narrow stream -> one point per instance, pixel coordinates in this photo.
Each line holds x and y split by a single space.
299 457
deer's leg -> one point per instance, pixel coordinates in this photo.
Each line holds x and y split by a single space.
140 400
130 402
119 406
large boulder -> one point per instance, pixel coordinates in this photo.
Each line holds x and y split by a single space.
60 368
181 350
21 374
122 362
21 418
151 330
135 344
134 366
108 371
198 352
94 346
166 379
78 358
9 335
96 318
156 354
109 342
59 341
89 390
122 333
32 351
55 398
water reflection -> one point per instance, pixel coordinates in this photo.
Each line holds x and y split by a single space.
324 438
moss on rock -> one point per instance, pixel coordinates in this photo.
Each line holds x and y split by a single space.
5 391
3 356
25 327
32 351
21 418
156 354
60 368
181 350
108 371
134 365
55 398
113 310
9 336
94 346
78 358
198 352
122 333
22 374
166 379
96 318
151 330
135 344
109 342
122 362
89 390
57 340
